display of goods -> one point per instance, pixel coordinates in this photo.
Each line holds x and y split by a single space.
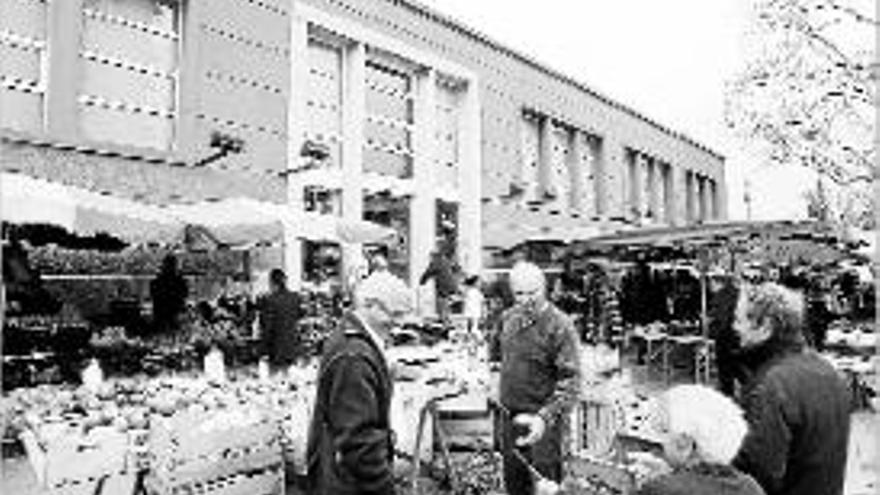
231 450
587 475
470 473
133 261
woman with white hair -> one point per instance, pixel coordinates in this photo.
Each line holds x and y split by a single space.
702 431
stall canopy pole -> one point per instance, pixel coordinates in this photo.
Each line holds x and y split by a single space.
704 262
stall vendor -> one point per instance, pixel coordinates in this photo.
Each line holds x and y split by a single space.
279 313
540 379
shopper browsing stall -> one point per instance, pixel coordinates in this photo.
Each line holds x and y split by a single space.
540 379
702 431
796 404
279 313
169 291
350 446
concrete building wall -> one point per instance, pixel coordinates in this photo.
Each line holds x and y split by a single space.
115 116
510 84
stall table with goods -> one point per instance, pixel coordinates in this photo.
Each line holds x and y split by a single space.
851 347
217 432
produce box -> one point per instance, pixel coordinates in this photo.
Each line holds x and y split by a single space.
598 476
226 451
64 459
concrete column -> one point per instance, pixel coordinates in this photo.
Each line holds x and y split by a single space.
423 214
296 122
64 32
577 174
189 82
470 183
354 59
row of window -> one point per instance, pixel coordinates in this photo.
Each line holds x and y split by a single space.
649 187
389 107
127 63
701 197
560 164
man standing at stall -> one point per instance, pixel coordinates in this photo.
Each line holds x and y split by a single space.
442 270
540 380
350 447
796 404
722 306
280 312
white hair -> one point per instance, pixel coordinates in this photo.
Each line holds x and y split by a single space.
384 287
526 275
713 421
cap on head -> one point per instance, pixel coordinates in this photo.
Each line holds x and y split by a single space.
526 276
386 289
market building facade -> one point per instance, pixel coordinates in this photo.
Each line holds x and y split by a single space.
384 110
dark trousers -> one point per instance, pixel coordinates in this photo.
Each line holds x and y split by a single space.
545 456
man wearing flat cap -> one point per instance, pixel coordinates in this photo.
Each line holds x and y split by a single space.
350 447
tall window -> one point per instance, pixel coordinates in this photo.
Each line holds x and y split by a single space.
22 64
530 136
632 181
689 188
560 178
713 200
130 58
389 126
447 113
324 98
667 199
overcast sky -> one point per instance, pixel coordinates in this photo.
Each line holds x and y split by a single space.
668 59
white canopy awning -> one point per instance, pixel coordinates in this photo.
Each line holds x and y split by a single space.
29 200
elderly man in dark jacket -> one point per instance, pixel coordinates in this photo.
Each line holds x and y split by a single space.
796 404
350 446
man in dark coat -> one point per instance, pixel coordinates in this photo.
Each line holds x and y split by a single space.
540 380
722 306
796 404
441 269
169 291
350 446
280 312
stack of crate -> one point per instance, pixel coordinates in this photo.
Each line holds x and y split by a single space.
216 453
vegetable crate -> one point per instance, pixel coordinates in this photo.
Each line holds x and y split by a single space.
590 475
226 452
66 461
